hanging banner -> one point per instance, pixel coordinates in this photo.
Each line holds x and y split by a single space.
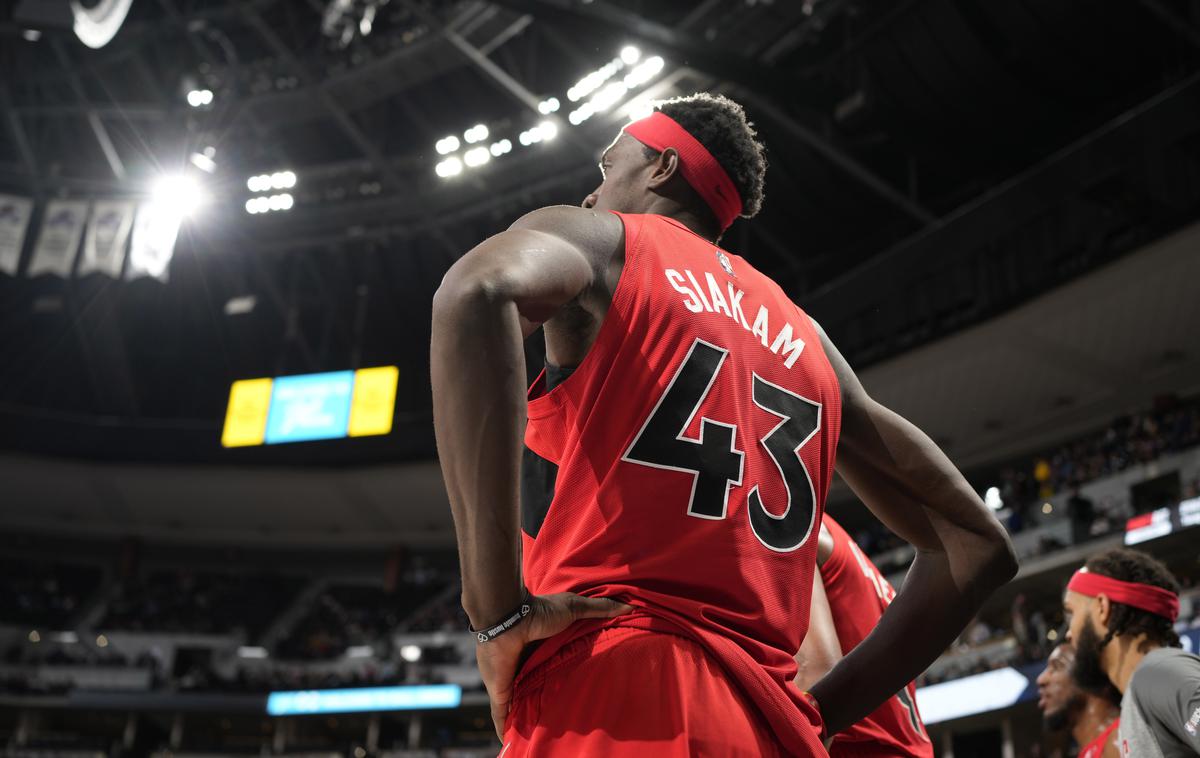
105 238
14 220
62 226
154 231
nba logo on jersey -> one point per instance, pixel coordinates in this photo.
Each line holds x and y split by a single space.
723 259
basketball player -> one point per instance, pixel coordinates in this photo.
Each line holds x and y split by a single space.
660 540
1121 608
1091 718
857 595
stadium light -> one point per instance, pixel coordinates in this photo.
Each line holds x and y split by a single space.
548 130
199 97
476 156
452 166
477 133
548 106
178 195
447 145
630 55
992 500
410 653
501 147
593 81
644 72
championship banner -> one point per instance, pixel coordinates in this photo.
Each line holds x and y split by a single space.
14 220
154 231
62 226
105 238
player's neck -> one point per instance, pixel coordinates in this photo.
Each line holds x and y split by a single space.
665 206
1124 655
1096 715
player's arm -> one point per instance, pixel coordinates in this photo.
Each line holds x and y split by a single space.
963 553
820 649
488 302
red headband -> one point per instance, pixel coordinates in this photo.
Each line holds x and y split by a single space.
699 168
1145 597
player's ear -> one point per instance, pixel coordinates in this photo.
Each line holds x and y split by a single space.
1102 610
664 167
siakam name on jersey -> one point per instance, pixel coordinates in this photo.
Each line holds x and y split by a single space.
728 302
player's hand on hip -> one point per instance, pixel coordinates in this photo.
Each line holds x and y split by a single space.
549 615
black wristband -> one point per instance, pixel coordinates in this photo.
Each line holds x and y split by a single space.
508 622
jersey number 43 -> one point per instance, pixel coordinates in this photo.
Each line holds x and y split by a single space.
714 460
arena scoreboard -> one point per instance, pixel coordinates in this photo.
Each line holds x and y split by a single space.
305 407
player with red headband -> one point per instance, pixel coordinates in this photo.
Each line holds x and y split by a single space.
639 572
1121 609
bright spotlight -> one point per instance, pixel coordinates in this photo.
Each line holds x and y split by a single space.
178 195
450 167
476 156
198 97
609 96
548 130
548 106
286 201
630 55
252 206
410 653
477 133
287 180
447 145
644 72
992 499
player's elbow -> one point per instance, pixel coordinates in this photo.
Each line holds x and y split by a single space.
995 556
467 288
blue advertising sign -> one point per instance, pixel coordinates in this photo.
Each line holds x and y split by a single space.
416 697
310 407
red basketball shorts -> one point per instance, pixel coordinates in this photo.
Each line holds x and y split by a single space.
637 693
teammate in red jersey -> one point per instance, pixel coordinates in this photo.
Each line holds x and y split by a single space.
1091 718
857 596
659 541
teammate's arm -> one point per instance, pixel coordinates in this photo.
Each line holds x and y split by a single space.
820 649
963 553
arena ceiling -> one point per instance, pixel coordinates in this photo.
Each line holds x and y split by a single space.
932 164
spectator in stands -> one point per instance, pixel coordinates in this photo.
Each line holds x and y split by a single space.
1090 717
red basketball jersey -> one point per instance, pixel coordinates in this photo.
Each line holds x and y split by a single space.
858 595
686 462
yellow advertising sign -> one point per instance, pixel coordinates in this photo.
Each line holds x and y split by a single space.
374 401
246 417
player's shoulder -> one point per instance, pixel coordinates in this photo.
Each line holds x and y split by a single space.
598 233
1164 670
570 221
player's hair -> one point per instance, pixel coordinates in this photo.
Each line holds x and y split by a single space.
720 125
1132 566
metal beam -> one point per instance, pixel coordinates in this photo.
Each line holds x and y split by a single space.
93 119
1173 21
20 138
672 43
840 159
510 85
339 115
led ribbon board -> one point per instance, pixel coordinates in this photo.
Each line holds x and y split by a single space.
306 407
372 699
